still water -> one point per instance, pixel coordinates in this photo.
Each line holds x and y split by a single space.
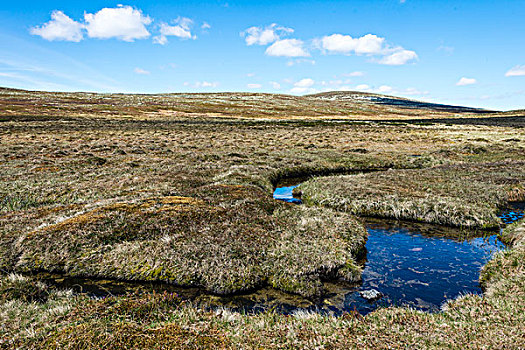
417 265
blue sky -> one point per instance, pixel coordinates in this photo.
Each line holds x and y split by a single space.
457 52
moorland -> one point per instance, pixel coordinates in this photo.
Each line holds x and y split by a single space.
177 189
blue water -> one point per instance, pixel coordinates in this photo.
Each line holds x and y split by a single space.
420 271
414 268
285 194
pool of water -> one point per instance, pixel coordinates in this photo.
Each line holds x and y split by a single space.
285 194
421 268
418 265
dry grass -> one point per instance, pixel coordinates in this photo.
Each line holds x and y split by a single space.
152 187
352 105
494 321
228 239
467 195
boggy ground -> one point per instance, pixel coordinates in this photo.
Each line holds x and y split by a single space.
465 195
186 199
157 321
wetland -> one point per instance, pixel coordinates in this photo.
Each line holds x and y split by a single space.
130 219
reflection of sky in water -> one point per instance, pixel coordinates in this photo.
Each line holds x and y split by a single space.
416 270
285 194
420 271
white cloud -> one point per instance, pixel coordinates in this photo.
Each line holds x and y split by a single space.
384 89
287 48
338 43
141 71
181 29
369 44
202 84
61 27
253 86
307 82
303 86
275 85
399 58
264 36
123 22
516 71
466 81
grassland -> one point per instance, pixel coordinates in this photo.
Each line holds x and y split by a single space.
465 195
164 188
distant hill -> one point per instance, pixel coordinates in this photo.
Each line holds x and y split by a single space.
335 105
355 96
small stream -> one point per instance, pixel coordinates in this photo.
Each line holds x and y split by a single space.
410 264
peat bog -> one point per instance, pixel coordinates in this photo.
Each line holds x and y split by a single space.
144 194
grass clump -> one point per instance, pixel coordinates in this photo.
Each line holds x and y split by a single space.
227 239
467 195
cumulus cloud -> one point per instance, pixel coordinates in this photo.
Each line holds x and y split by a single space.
141 71
61 27
369 44
287 48
466 81
399 58
123 22
516 71
345 44
253 86
181 29
266 35
306 82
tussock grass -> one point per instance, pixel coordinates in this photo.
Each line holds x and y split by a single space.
228 239
467 195
493 321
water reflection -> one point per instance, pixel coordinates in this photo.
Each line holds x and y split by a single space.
421 268
285 194
411 264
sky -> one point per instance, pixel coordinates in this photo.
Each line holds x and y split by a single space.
469 53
